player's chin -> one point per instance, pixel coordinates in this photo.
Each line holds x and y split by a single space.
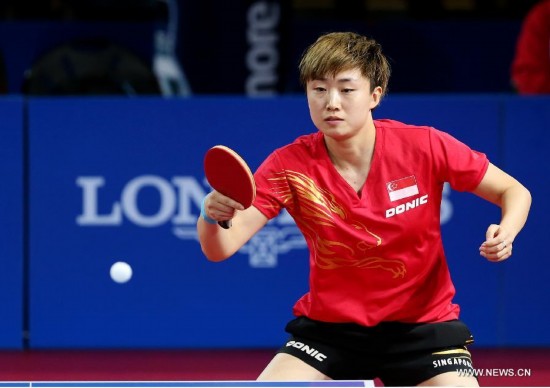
337 133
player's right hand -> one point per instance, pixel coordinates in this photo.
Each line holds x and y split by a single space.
219 207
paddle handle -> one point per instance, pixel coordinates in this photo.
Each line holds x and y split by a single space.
225 224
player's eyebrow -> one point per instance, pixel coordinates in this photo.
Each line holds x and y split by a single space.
341 80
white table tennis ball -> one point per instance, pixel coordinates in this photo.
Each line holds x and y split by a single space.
121 272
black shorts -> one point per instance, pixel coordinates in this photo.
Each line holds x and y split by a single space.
399 354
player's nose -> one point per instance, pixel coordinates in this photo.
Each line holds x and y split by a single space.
333 100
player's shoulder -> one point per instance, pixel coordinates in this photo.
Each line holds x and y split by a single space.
302 145
402 129
409 135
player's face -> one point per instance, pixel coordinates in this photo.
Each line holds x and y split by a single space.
340 106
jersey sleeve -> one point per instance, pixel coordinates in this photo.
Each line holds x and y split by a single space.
272 189
457 163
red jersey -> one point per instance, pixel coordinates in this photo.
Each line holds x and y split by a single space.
377 256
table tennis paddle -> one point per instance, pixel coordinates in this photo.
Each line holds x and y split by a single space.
229 174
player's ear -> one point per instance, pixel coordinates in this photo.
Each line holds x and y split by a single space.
376 96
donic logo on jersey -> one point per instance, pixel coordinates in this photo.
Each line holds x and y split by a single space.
404 188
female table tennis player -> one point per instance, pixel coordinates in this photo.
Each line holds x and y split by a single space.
366 195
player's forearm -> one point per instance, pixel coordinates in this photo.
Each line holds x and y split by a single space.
515 204
219 244
216 243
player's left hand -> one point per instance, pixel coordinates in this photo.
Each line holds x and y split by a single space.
498 244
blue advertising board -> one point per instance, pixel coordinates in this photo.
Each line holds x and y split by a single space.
122 180
524 284
11 224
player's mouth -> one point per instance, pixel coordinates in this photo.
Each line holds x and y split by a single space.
331 119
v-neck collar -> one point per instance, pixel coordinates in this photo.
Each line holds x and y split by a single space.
358 200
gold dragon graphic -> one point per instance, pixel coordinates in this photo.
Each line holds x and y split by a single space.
319 207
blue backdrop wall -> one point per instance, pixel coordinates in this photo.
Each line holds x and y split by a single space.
92 181
11 223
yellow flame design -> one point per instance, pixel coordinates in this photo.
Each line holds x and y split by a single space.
318 206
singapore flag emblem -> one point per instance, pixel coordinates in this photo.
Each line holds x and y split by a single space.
402 188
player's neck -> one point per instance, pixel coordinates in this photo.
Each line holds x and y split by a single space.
352 159
355 152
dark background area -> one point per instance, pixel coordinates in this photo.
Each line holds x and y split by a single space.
83 47
443 46
328 10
